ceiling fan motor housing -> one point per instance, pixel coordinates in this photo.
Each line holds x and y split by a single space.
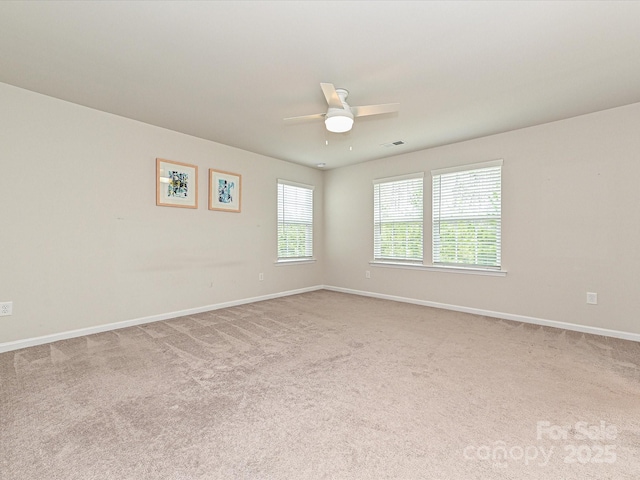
339 120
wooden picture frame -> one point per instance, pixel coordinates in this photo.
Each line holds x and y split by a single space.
225 191
176 184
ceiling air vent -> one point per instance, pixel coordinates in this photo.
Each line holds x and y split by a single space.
394 144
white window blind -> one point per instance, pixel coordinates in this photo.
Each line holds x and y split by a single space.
467 215
398 218
295 220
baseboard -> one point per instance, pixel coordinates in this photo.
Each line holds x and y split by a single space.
31 342
488 313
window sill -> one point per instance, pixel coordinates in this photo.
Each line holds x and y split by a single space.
294 261
437 268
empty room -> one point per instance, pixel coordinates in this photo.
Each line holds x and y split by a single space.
319 240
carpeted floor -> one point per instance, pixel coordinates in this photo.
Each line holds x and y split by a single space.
323 385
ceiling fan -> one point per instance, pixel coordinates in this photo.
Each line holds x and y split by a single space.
339 116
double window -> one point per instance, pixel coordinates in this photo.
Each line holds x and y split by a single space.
466 214
295 221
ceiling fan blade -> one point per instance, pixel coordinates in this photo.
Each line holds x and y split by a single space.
331 95
374 109
315 116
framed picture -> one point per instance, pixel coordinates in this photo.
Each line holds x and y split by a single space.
176 184
225 191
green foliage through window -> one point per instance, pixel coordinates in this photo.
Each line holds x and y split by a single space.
401 240
293 240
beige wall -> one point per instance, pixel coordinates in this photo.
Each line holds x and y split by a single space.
571 223
83 243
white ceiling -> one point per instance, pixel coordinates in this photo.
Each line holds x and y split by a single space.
231 71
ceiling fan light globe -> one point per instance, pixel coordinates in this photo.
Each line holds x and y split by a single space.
338 123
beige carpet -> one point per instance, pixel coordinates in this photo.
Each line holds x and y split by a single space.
323 385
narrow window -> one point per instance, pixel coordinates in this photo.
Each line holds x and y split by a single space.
295 220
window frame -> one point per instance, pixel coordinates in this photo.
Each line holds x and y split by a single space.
437 221
282 221
378 223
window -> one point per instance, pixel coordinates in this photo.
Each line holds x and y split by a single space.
295 221
397 218
467 215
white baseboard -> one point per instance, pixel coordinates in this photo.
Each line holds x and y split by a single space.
488 313
31 342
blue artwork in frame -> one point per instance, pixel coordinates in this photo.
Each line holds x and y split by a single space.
225 191
176 184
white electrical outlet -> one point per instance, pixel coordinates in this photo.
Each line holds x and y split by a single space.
261 276
367 274
6 308
592 298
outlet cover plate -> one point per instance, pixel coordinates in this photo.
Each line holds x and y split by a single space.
592 298
6 308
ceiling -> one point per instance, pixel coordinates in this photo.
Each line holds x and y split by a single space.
231 71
